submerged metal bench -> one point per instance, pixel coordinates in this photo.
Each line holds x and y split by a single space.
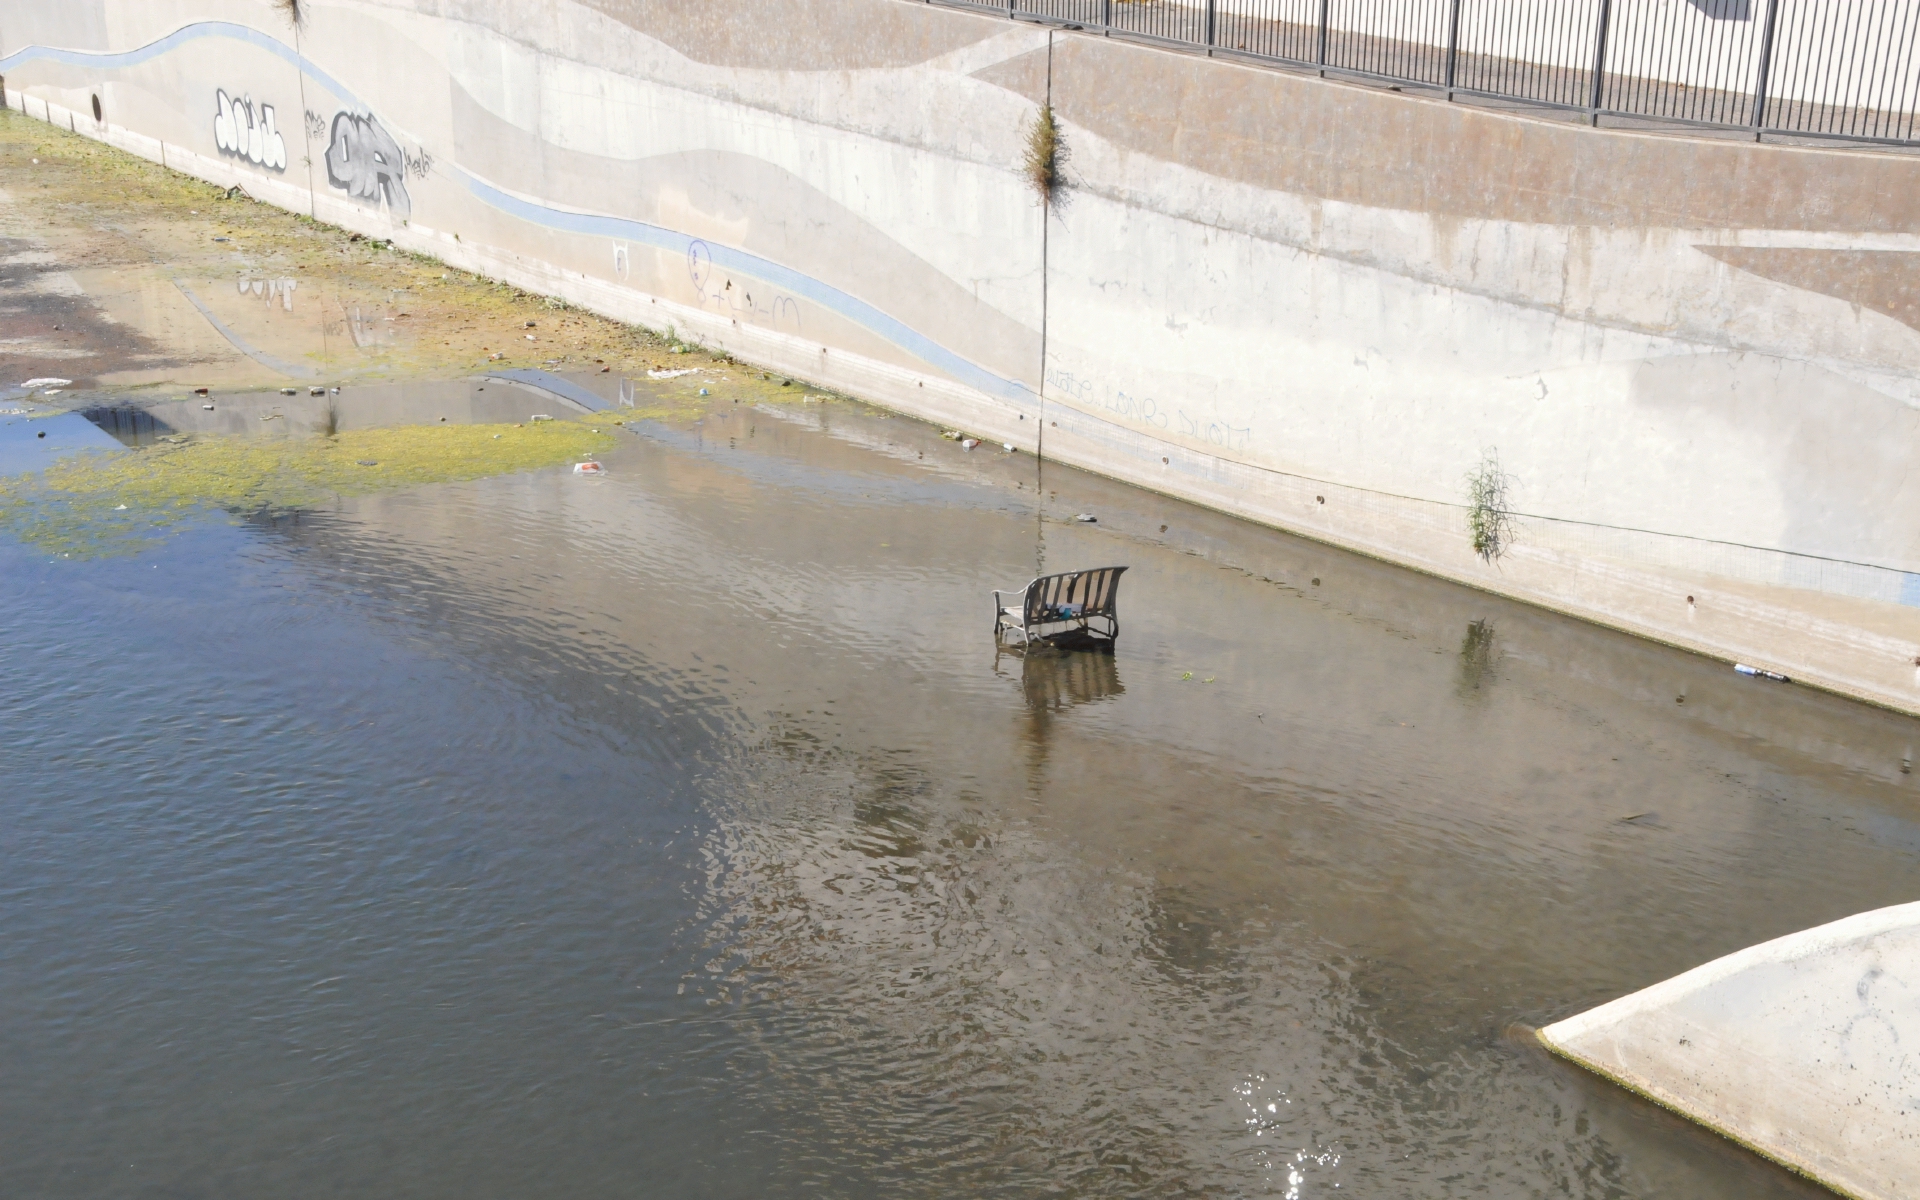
1076 610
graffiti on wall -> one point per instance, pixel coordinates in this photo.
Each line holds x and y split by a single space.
242 130
364 161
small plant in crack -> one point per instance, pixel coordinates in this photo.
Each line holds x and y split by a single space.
1489 516
1046 154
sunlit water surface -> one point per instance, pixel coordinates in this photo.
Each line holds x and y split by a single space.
680 832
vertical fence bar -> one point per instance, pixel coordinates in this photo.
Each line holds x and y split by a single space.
1766 69
1210 18
1322 59
1106 17
1600 60
1453 46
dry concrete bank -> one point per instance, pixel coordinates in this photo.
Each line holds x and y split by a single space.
1792 1047
1311 304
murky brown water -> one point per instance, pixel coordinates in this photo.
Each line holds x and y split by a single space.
681 832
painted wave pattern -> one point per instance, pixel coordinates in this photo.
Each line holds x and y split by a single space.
367 162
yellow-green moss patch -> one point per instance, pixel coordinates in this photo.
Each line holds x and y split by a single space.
95 504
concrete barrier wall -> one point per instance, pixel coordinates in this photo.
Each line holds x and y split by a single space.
1309 303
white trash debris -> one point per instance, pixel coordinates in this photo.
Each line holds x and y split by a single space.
47 381
1007 446
703 391
588 468
1089 518
540 417
673 374
1758 673
952 435
969 443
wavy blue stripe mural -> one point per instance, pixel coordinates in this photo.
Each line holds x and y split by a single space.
820 292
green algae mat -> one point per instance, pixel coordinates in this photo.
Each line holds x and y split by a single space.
101 503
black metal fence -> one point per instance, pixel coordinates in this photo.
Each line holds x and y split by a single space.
1836 69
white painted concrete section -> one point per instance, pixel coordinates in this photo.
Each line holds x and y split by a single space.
1805 1048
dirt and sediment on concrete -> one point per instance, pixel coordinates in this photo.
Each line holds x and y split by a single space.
254 360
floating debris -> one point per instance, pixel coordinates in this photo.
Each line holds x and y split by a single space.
588 468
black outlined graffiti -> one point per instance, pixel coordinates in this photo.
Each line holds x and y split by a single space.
241 131
364 161
777 310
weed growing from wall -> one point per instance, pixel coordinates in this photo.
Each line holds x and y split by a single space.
292 8
1489 519
1046 154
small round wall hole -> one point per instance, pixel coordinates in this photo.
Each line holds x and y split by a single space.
1689 599
96 109
1319 499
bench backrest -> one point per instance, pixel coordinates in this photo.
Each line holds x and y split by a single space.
1074 594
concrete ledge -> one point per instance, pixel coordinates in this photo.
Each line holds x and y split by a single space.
1805 1049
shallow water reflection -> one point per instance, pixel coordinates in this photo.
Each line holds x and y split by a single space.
682 830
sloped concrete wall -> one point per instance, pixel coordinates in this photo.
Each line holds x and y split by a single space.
1304 302
1798 1048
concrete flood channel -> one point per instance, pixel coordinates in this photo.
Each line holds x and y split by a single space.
472 827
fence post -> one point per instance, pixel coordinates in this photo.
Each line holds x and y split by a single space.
1766 70
1210 14
1600 59
1106 16
1453 47
1323 39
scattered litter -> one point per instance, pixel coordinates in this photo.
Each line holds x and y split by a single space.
268 416
119 508
289 391
335 391
673 374
969 443
540 417
1089 518
1757 673
46 381
532 338
1007 446
52 392
223 239
703 391
952 435
369 462
316 391
208 407
199 391
588 468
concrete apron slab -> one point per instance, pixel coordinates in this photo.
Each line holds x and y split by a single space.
1805 1049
